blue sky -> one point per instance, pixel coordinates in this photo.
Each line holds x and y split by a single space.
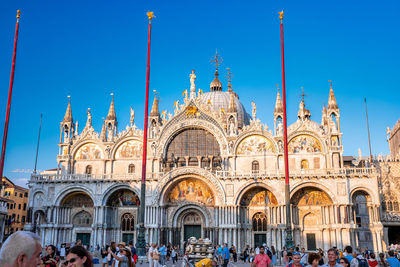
89 49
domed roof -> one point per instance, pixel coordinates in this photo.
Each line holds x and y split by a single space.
216 84
220 99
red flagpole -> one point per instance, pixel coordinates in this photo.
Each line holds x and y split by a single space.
141 242
289 240
3 148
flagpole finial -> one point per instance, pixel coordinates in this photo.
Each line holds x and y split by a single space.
281 15
150 15
18 14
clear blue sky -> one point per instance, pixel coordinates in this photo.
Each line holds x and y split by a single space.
88 49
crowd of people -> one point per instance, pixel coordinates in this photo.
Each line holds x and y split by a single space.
23 249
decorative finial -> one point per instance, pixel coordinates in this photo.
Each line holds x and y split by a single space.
302 95
18 15
112 96
229 76
217 60
150 15
277 87
69 98
281 15
330 82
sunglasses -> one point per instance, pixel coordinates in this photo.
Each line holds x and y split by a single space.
70 261
342 262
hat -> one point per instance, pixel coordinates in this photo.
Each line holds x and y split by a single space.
122 243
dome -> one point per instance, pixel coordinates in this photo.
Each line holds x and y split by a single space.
216 84
220 99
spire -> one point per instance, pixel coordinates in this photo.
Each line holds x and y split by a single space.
229 76
111 112
278 105
216 85
232 104
154 109
324 115
332 105
68 113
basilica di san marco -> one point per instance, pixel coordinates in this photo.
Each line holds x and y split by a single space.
213 171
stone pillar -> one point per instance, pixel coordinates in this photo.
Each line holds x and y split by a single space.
379 240
375 243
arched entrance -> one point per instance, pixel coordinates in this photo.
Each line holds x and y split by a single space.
312 210
80 208
189 201
259 204
361 201
121 214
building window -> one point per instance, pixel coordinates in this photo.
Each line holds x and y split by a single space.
131 168
26 194
259 222
127 222
15 194
24 206
304 164
88 169
23 219
17 217
20 195
82 218
15 205
19 206
255 167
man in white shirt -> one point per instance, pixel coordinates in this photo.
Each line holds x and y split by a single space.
257 251
150 255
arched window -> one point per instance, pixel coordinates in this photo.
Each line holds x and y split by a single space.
396 206
82 218
88 169
131 168
255 167
304 164
127 222
259 222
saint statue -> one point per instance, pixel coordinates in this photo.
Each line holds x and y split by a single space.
89 118
192 79
254 110
132 116
279 130
231 127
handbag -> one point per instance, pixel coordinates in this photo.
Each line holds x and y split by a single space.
156 256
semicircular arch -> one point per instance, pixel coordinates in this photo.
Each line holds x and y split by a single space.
127 147
309 143
63 194
247 187
115 188
168 134
255 139
88 150
172 177
363 189
319 186
182 210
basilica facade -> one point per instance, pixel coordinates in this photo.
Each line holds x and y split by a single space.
213 170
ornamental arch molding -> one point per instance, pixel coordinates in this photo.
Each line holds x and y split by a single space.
374 198
77 188
315 185
120 142
181 210
247 187
312 134
115 188
178 174
84 142
169 133
256 133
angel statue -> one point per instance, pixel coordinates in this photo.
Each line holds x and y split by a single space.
254 110
132 116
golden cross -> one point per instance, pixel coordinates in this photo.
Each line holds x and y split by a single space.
229 76
277 87
330 83
217 60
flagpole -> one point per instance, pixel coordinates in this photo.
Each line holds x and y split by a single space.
369 139
288 240
37 147
3 148
141 241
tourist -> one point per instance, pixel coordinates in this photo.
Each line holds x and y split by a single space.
104 255
313 259
321 255
348 251
150 255
295 260
262 259
174 256
219 252
252 255
21 249
78 256
245 254
163 254
284 256
372 262
225 255
344 262
257 250
359 261
273 258
304 256
234 253
125 258
120 247
394 262
332 256
155 256
382 261
112 249
51 259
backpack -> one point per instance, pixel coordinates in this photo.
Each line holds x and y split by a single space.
362 262
269 253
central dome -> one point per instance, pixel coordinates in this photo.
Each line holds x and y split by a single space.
220 99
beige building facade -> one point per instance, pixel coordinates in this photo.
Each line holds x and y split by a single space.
214 171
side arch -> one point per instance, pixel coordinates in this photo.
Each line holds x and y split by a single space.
312 134
245 188
248 134
181 210
61 195
114 188
79 144
316 185
374 198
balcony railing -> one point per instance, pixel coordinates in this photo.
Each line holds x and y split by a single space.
320 173
345 172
